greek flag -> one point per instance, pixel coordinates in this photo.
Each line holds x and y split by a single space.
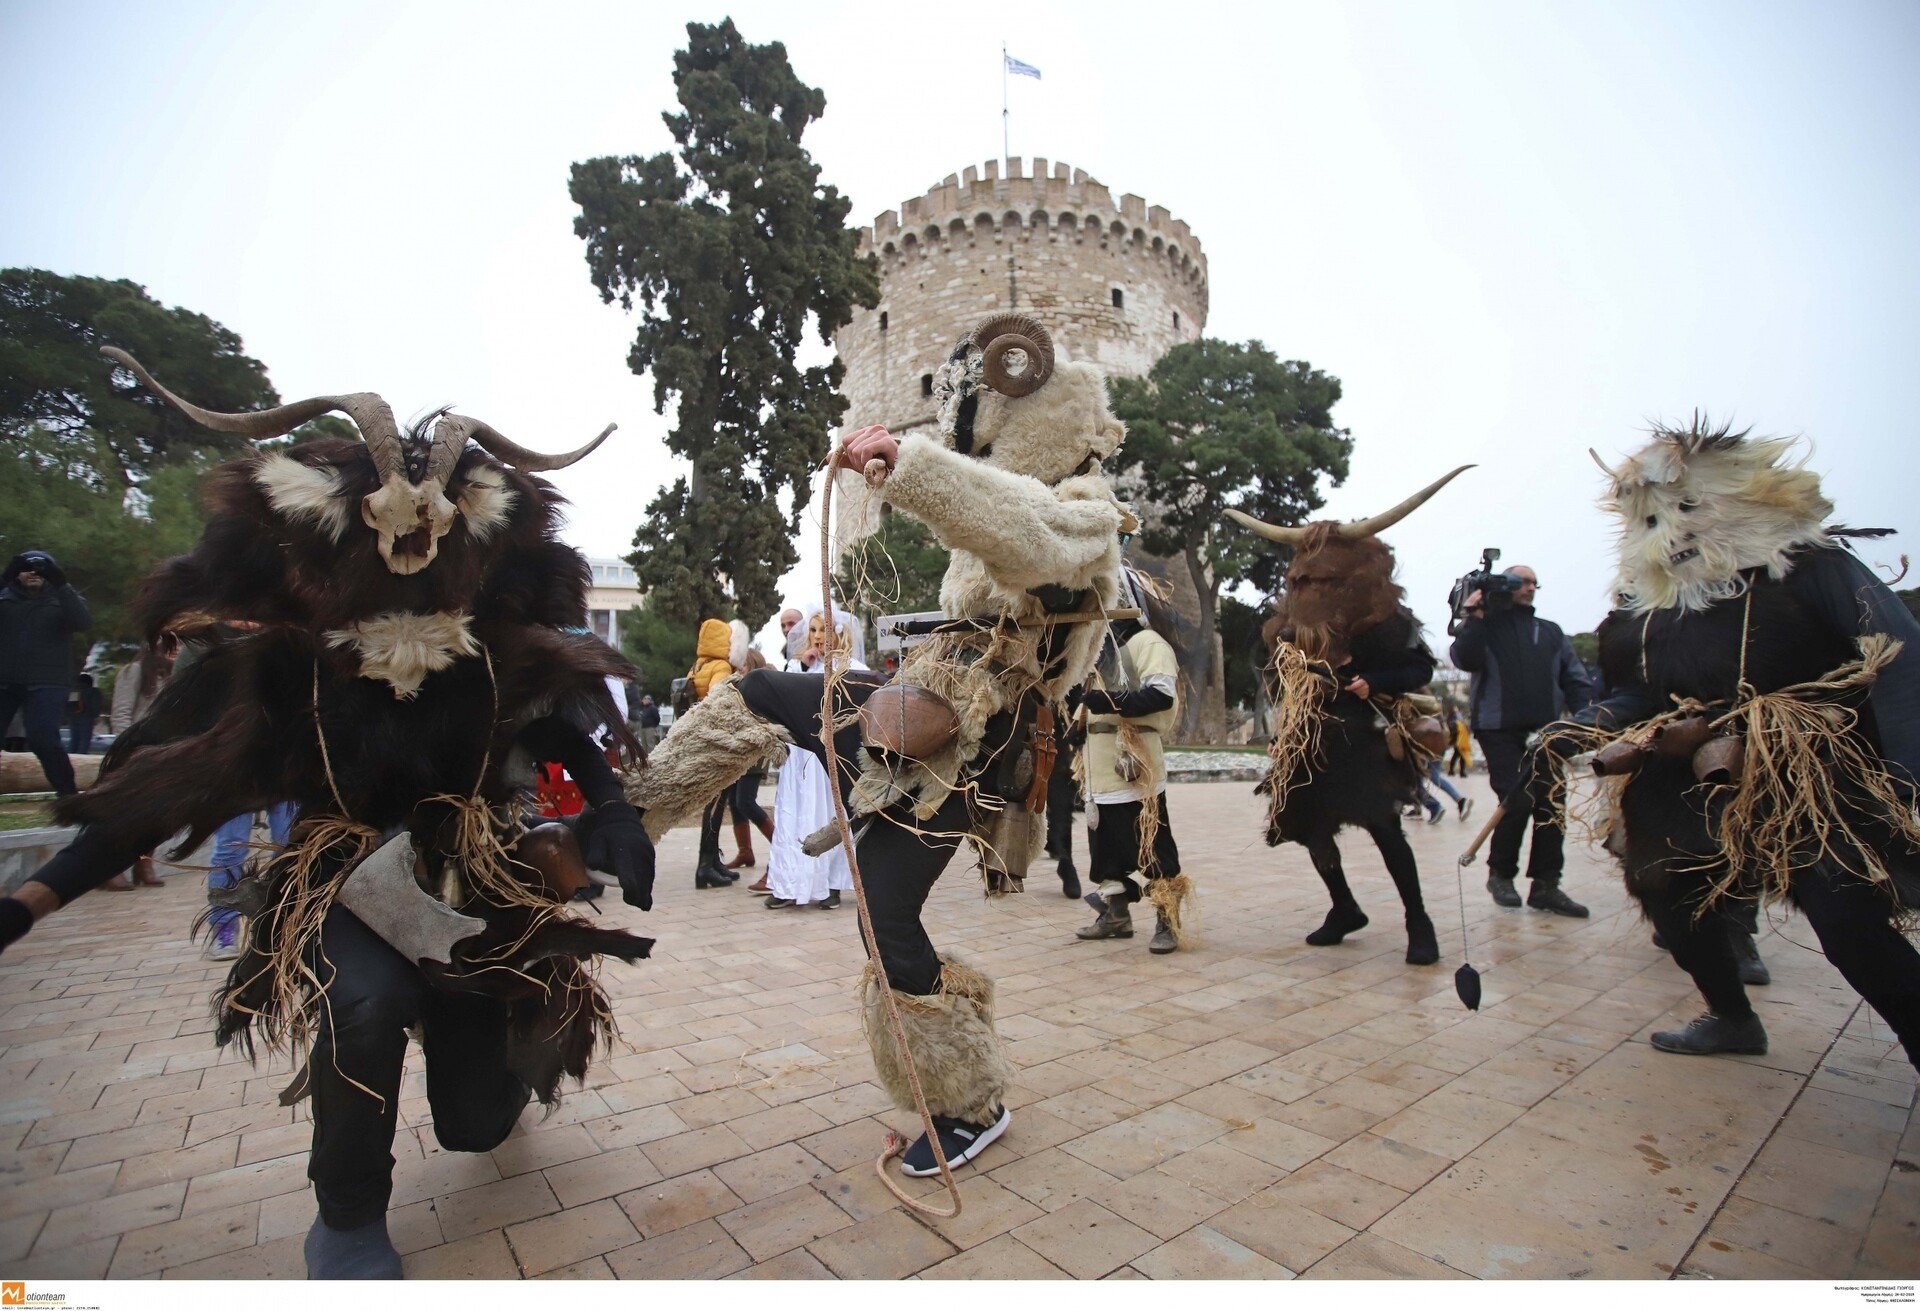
1019 69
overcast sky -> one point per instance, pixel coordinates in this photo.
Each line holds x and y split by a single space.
1513 230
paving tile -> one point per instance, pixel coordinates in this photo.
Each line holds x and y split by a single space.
780 1223
695 1150
495 1205
1284 1232
1160 1203
480 1256
776 1170
1085 1239
1051 1179
522 1152
71 1226
797 1264
573 1235
1388 1161
178 1242
1203 1253
607 1174
1368 1256
888 1246
702 1250
1342 1195
281 1259
247 1183
1004 1257
670 1204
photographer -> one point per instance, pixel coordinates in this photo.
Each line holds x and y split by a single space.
39 614
1525 675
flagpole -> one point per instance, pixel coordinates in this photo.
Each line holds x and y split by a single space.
1005 153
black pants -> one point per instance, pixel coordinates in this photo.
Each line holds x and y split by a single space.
373 996
1848 915
710 823
1060 790
80 735
42 709
898 864
1113 847
1504 748
743 799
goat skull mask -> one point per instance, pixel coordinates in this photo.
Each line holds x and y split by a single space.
410 510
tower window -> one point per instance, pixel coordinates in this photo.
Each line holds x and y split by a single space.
883 320
1119 299
1176 320
926 384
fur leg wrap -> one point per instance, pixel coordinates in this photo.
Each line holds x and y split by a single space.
1173 898
709 748
963 1071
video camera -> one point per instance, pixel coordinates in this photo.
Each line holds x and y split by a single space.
1496 589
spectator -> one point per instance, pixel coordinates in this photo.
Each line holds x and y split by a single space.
230 843
743 800
39 614
1462 752
711 667
1525 676
83 712
803 800
647 720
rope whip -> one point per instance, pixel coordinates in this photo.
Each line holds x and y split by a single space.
836 669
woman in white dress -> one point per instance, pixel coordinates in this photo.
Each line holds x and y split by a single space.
803 801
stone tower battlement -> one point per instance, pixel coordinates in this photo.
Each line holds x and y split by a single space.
1116 281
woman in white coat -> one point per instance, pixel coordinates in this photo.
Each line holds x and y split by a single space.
803 801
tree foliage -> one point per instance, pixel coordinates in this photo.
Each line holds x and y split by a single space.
95 419
733 248
1220 424
662 648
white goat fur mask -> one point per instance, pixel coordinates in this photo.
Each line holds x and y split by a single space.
1700 505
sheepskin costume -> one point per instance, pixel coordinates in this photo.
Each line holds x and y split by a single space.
963 1071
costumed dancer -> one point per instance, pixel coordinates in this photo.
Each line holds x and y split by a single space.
955 744
411 666
1351 737
803 803
1761 732
1131 852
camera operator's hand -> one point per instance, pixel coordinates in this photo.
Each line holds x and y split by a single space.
1475 604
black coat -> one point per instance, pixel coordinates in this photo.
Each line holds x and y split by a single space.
1525 673
36 634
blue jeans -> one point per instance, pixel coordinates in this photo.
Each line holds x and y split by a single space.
1439 780
230 854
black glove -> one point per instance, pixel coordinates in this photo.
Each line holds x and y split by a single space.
1099 701
1075 695
617 844
15 920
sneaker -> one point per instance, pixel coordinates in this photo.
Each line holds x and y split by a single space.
1466 807
959 1139
832 901
226 942
779 903
1433 816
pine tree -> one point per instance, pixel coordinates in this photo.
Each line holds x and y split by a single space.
734 249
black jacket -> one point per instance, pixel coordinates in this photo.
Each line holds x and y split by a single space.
36 634
1525 673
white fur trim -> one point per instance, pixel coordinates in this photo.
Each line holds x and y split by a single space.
486 502
402 649
302 493
707 749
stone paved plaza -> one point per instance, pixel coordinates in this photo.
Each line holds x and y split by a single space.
1250 1108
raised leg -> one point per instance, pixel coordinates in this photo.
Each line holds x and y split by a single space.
1346 916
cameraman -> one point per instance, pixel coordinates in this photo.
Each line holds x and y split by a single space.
1525 676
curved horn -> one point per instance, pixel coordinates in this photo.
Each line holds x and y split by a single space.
1603 464
450 437
368 412
1004 333
1272 532
1381 522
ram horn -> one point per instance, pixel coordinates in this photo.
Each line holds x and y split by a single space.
451 435
1001 335
368 412
1603 464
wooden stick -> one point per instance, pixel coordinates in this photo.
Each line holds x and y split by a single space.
1472 852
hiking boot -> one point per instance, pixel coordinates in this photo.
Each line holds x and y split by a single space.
1504 893
363 1253
1423 948
1114 921
1753 970
1163 939
1344 918
1713 1034
1069 882
961 1140
1544 895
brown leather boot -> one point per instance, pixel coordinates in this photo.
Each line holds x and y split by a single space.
143 874
743 839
